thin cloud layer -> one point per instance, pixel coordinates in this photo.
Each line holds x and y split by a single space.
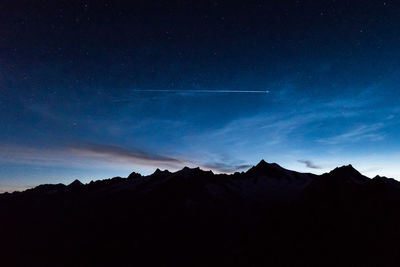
310 164
363 132
224 167
120 153
84 155
92 155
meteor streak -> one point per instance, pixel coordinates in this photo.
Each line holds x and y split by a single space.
204 91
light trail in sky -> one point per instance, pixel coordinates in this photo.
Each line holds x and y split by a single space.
204 91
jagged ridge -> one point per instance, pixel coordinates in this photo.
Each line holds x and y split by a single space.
267 216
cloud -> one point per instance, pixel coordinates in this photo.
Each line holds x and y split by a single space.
225 167
310 164
124 154
85 155
276 127
363 132
100 156
140 157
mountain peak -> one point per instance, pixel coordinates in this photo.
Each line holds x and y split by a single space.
189 171
269 169
348 172
134 175
160 172
262 162
345 169
75 184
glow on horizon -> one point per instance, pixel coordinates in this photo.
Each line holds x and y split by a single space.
65 165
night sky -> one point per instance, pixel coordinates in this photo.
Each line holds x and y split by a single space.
74 76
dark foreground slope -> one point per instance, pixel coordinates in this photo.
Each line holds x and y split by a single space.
268 216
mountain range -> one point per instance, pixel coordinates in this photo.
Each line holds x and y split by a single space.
266 216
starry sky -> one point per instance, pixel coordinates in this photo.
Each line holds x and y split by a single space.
96 89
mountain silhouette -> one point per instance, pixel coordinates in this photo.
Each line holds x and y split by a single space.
266 216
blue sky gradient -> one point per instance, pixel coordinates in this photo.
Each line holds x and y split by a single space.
73 99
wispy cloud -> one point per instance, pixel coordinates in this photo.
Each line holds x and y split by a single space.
125 154
363 132
226 167
276 127
310 164
92 156
88 155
